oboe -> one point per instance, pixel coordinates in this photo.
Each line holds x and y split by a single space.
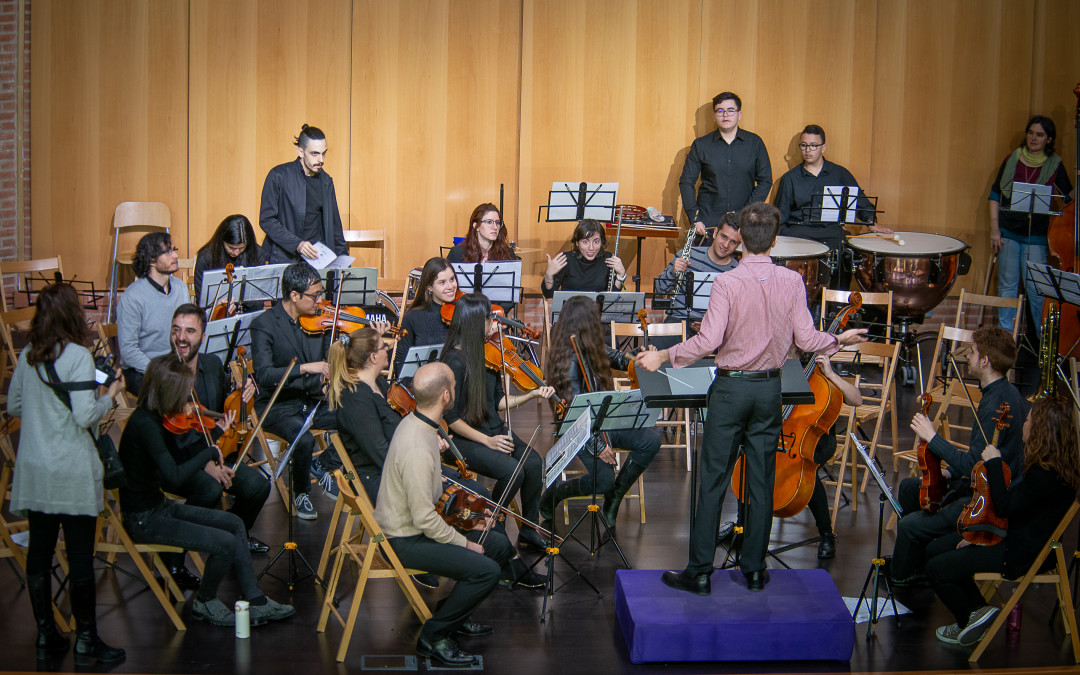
685 254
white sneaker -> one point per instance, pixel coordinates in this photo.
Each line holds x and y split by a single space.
304 509
977 625
948 634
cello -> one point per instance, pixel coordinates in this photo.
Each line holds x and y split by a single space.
803 426
1063 239
979 522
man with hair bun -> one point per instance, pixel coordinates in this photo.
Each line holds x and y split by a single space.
299 205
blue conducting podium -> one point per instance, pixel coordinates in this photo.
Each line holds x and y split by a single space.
800 616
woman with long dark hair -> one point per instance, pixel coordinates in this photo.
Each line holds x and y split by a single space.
587 266
486 239
1016 238
580 320
147 450
422 323
1034 506
58 475
233 243
479 397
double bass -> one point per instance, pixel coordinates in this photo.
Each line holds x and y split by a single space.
1063 239
803 426
979 523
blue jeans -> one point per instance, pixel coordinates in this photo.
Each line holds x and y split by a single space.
1012 269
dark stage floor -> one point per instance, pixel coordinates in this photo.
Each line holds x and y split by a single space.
580 633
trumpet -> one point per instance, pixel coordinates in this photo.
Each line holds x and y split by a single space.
1048 353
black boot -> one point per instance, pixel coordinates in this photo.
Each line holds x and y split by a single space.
89 648
50 642
623 482
567 488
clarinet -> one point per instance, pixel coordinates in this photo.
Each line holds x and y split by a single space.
685 253
618 233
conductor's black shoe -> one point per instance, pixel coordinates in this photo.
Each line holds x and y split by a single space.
682 581
185 579
257 547
725 532
826 548
473 629
532 538
755 581
445 651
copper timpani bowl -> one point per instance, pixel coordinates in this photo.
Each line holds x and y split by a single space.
807 257
920 272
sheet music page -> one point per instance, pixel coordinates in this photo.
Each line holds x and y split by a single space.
327 259
833 199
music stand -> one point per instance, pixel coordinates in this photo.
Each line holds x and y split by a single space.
876 573
1063 287
416 357
619 306
263 281
223 336
358 286
570 201
499 281
290 547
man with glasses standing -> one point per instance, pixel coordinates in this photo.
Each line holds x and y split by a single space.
733 165
799 197
276 339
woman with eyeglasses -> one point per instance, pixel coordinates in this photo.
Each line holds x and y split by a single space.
479 396
357 392
587 266
423 323
485 240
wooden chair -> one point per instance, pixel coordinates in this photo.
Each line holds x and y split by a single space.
375 558
12 322
875 407
679 418
968 300
130 221
882 300
1059 576
845 459
19 267
106 344
348 470
366 237
185 271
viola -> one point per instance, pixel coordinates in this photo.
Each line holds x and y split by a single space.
221 310
402 400
631 371
803 426
932 486
503 357
345 319
234 403
1063 239
979 523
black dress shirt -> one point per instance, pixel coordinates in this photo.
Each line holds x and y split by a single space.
732 176
799 190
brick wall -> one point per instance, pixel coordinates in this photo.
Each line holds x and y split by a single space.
9 12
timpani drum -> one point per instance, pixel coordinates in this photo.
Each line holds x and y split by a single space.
807 257
920 272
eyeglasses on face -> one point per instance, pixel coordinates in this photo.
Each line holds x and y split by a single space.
810 146
726 112
488 221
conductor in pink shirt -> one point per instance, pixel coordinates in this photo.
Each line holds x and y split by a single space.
757 313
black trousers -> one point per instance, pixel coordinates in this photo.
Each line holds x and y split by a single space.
951 573
476 575
500 466
286 419
918 528
643 445
739 410
249 490
78 541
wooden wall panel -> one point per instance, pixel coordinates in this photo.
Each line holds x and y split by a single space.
109 120
259 70
1056 72
951 98
434 118
604 92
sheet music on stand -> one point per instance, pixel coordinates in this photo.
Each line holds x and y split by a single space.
618 306
692 294
358 285
262 282
1054 284
567 448
573 200
225 335
1031 198
878 474
626 410
283 458
418 356
841 204
499 281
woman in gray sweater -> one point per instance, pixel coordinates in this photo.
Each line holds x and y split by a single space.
58 476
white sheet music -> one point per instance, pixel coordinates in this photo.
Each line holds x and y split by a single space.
833 200
567 447
327 259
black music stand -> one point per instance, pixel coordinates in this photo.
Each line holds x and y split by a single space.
499 281
416 357
570 201
262 282
223 336
619 306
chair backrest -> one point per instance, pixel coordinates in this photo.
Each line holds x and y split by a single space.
10 321
983 301
152 215
868 299
947 338
363 237
623 330
20 267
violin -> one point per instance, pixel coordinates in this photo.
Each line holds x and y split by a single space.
932 487
191 418
402 400
979 523
234 403
804 425
461 507
447 314
503 357
631 371
344 319
221 310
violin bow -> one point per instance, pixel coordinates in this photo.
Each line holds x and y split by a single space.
499 508
505 379
337 306
262 418
499 505
971 403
